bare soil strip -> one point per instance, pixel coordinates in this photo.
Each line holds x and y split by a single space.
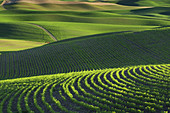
50 34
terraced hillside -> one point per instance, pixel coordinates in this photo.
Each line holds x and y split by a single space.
137 89
90 52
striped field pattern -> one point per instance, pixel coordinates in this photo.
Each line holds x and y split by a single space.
85 58
88 53
137 89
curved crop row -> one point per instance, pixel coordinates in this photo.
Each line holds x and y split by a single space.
97 52
138 89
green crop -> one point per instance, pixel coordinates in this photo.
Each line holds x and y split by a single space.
88 53
137 89
85 58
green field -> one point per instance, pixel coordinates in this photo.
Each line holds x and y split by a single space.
102 91
65 7
89 52
16 45
67 30
22 31
110 56
144 2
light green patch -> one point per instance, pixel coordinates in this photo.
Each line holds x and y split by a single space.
16 45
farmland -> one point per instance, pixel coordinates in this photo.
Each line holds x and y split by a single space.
85 56
132 89
86 53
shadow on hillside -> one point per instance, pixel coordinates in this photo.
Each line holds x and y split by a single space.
19 32
128 2
151 11
6 29
4 52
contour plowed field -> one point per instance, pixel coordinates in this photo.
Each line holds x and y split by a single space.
131 89
87 53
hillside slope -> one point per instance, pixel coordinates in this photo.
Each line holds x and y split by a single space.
144 2
56 5
90 52
23 31
160 12
137 89
68 30
16 45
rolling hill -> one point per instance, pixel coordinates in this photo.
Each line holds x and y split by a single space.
88 53
139 89
93 56
22 31
15 36
144 2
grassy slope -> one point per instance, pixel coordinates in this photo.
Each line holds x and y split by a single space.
159 12
122 2
91 91
66 30
71 24
81 17
97 52
145 2
66 7
60 22
16 45
154 3
16 36
22 31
